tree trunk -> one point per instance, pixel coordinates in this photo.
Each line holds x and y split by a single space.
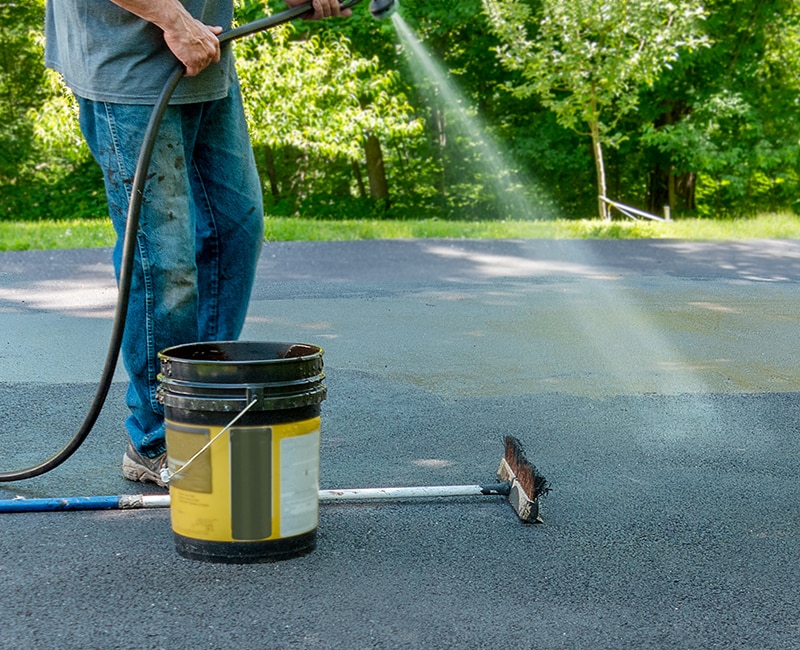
671 189
378 187
362 191
597 149
685 187
269 163
667 186
441 141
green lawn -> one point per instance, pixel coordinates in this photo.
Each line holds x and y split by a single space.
93 233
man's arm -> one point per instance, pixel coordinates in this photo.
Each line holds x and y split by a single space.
194 43
191 41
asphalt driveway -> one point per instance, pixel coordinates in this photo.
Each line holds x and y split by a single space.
654 383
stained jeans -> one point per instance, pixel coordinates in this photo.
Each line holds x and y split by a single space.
200 234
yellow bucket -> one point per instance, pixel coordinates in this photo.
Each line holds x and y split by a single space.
243 434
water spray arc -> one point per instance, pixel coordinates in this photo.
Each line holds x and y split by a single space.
516 194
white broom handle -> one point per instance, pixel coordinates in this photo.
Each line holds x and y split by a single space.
354 494
135 501
374 494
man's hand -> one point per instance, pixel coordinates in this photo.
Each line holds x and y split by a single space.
323 8
192 42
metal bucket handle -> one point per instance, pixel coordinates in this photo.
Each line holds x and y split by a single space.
166 475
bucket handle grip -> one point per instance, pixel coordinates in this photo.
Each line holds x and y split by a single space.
254 394
166 475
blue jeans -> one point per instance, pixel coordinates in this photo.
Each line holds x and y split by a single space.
200 235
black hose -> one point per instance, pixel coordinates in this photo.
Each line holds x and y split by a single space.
129 243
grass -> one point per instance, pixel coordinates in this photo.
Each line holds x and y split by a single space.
94 233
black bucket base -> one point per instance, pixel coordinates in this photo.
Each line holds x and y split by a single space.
246 552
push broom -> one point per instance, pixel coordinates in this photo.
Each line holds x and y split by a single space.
518 481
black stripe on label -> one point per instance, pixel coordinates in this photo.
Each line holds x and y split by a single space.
251 482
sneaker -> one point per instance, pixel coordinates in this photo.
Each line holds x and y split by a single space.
136 467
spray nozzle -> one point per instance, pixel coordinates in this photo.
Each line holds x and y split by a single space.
381 9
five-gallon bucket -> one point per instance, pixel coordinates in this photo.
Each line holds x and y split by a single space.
243 432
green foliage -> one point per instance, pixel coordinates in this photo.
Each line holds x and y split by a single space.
714 131
315 99
46 171
66 193
587 59
20 90
741 167
477 132
728 114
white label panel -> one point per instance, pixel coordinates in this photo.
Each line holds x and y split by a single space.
299 503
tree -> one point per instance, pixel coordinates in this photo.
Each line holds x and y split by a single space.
46 170
315 96
588 59
20 90
722 131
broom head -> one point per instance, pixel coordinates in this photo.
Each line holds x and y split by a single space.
527 485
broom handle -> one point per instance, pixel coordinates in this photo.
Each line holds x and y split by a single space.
136 501
421 492
123 502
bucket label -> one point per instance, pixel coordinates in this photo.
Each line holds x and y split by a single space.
254 483
183 443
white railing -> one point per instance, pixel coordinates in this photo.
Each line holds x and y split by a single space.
633 213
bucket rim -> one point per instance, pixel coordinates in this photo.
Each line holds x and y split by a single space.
169 353
237 386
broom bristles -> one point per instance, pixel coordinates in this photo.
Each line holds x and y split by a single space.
533 483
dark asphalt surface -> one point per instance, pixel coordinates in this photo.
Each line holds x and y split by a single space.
653 383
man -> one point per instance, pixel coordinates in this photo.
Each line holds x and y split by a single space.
201 223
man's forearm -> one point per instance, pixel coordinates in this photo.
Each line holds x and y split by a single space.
163 13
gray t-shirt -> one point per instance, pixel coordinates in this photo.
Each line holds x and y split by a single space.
106 53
